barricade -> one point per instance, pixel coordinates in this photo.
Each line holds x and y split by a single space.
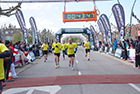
132 55
40 53
110 51
118 52
32 55
105 50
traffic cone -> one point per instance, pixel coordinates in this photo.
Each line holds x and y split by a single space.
10 77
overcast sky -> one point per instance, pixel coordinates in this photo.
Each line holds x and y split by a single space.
49 15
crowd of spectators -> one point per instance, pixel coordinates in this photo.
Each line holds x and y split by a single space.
125 45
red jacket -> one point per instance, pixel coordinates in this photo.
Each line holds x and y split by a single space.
13 51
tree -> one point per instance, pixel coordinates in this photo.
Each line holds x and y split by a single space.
30 39
17 37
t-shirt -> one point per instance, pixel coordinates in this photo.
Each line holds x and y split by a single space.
45 47
56 49
76 44
2 73
63 46
70 48
87 45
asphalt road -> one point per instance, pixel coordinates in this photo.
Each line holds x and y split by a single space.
100 64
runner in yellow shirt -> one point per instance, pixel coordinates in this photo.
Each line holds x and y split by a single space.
4 52
56 46
70 51
87 49
45 50
63 49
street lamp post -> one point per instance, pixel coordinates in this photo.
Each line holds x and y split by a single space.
131 18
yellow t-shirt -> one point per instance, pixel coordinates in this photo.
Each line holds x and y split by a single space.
45 47
70 48
56 50
63 46
87 45
2 73
76 44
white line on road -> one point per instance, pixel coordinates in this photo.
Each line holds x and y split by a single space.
79 73
134 86
76 61
30 91
75 55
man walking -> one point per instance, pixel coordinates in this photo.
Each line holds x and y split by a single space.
56 46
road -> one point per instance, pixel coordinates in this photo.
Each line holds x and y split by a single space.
103 74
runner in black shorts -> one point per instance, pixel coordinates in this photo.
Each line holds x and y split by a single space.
70 51
87 49
56 46
45 50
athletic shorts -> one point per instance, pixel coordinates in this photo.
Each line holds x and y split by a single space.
45 52
73 55
63 51
1 84
57 54
87 50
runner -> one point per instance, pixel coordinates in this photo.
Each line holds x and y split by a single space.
4 52
45 50
63 48
70 51
56 46
87 49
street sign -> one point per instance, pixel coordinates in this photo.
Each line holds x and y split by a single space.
80 16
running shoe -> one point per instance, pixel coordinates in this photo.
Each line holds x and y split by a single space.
58 66
85 55
44 60
69 64
72 68
88 59
55 66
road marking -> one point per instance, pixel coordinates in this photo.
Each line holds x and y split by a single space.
30 91
75 55
76 61
50 89
79 73
134 86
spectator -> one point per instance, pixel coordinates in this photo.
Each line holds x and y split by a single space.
4 52
14 74
7 61
137 48
124 51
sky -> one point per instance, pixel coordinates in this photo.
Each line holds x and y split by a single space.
49 15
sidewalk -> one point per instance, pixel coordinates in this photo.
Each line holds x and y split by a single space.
120 60
21 69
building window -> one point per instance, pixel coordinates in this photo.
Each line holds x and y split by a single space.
12 32
6 32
